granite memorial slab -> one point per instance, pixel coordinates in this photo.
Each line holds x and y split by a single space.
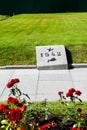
51 57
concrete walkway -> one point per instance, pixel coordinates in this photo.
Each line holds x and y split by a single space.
44 84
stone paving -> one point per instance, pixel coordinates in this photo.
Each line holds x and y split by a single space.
44 84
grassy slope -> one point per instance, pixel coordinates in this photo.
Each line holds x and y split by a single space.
21 33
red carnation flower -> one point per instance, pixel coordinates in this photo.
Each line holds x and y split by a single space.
15 115
3 107
13 100
60 93
12 82
22 108
75 129
78 92
6 111
16 80
21 128
70 92
79 109
9 84
45 126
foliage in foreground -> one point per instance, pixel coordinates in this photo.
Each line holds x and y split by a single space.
17 113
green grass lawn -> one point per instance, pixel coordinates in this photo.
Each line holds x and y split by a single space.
20 34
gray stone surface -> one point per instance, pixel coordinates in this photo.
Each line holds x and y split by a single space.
5 76
49 89
41 84
28 81
51 75
79 74
51 57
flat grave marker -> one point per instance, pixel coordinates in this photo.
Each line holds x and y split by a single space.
51 57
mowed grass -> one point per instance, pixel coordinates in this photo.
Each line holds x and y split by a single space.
20 34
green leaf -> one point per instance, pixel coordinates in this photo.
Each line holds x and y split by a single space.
4 122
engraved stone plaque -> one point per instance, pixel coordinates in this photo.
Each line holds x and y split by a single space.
51 57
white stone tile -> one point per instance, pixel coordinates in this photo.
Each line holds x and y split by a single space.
79 74
28 80
55 75
5 76
4 95
49 89
49 97
43 84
